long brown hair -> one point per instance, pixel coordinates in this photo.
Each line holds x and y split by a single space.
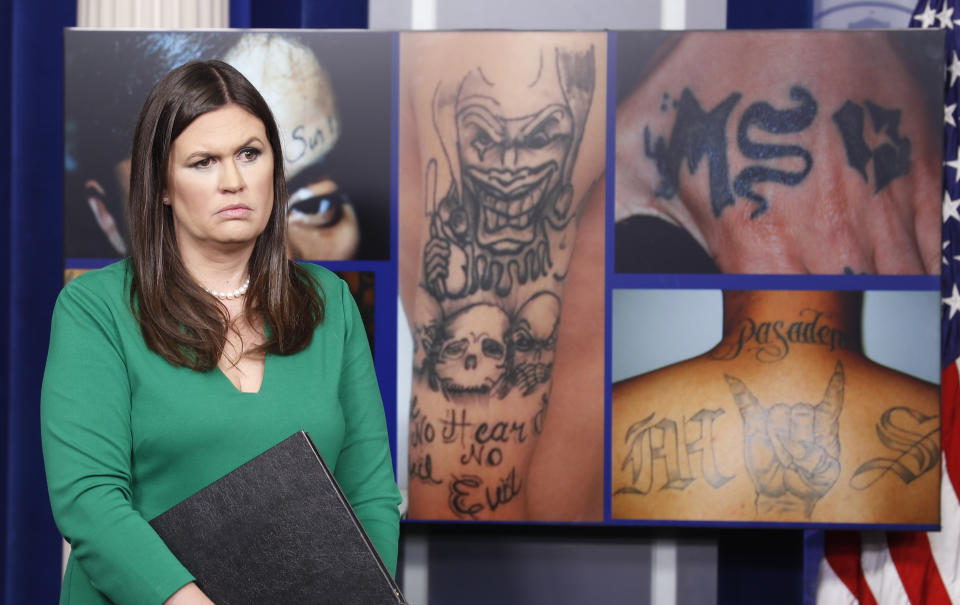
178 319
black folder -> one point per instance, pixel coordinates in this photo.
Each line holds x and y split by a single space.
277 530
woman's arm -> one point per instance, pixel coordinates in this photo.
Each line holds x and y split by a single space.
188 595
364 469
87 445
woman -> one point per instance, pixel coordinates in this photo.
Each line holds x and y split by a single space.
204 349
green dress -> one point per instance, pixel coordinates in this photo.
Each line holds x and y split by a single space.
126 435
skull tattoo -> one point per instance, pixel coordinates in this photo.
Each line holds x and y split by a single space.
532 340
471 359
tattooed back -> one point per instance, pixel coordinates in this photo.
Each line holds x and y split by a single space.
819 436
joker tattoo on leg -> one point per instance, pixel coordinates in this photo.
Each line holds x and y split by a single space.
501 206
513 150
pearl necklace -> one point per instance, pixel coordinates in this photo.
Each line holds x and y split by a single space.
230 295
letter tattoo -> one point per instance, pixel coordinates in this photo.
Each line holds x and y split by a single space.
914 435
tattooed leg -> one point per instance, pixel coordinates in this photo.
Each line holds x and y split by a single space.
499 137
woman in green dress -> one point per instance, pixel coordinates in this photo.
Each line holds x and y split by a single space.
206 347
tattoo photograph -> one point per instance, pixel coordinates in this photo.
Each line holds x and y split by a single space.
793 160
811 407
329 92
501 139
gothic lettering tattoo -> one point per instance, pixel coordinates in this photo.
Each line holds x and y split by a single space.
911 433
697 133
650 442
461 496
421 468
506 490
774 121
421 430
891 159
791 451
457 428
511 148
469 496
769 341
481 456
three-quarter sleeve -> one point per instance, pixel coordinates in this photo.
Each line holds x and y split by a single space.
364 468
87 449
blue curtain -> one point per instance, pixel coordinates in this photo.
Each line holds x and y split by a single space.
31 168
763 14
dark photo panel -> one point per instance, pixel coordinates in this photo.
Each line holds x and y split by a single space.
779 152
330 93
811 407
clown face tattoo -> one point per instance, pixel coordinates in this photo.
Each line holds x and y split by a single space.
501 209
514 142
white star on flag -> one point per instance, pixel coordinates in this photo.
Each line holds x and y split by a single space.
950 207
914 567
955 164
927 17
953 302
944 17
954 68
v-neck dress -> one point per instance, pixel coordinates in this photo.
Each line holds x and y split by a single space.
126 435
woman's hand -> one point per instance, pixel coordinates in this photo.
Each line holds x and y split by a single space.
189 595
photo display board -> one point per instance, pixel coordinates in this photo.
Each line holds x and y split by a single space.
625 278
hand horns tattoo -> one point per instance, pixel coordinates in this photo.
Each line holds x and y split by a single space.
792 452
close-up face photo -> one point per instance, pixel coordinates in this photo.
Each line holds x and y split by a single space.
334 132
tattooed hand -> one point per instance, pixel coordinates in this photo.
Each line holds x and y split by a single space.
816 156
792 451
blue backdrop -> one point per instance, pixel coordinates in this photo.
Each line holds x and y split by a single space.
31 156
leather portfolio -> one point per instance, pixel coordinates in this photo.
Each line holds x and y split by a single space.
277 530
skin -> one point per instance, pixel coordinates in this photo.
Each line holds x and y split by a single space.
832 219
681 390
220 186
555 469
331 233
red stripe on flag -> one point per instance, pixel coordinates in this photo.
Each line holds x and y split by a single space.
842 550
950 425
918 571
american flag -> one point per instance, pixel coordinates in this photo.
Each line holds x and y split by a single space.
914 567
